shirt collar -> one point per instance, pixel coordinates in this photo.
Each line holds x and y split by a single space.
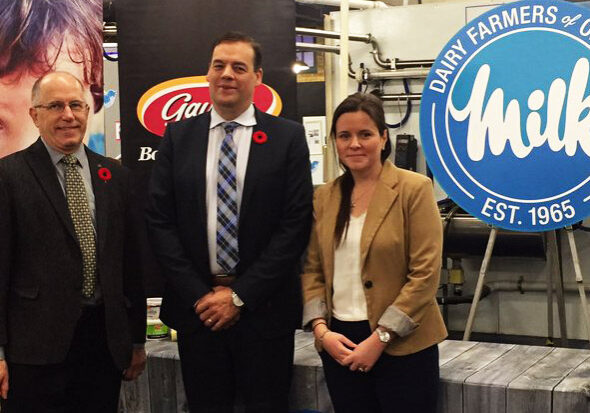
246 118
56 155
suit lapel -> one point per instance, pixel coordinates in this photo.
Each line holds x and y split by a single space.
256 160
40 163
101 189
201 142
326 230
383 198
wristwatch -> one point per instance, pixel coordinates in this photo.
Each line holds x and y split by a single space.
383 334
236 300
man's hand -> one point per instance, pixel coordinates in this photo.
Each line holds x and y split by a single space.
3 379
138 359
217 310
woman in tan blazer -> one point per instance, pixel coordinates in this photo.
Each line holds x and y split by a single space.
372 273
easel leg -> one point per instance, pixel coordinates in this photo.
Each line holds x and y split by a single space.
579 278
482 274
552 258
555 278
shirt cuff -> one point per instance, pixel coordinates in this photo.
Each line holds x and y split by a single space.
2 353
397 321
314 308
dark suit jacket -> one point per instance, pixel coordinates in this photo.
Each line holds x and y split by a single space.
274 223
41 262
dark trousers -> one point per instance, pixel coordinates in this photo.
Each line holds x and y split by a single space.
86 382
407 384
236 368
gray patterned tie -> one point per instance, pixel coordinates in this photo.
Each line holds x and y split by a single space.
227 204
80 213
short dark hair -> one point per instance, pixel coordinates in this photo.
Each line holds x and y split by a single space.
233 37
372 106
29 29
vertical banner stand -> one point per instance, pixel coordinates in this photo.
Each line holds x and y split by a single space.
579 279
555 280
480 280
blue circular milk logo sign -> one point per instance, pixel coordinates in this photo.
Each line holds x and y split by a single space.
505 116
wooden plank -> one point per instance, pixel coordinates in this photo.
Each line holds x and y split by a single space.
303 339
135 395
449 349
456 371
163 348
308 387
573 393
162 376
181 402
485 391
532 391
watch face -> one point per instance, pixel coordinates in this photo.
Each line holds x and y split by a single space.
384 336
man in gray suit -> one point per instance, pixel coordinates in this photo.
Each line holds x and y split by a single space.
72 307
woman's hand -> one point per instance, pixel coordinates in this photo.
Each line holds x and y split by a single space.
337 345
365 355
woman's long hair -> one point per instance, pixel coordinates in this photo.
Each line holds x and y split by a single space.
372 106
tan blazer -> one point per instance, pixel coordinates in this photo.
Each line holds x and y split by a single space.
401 248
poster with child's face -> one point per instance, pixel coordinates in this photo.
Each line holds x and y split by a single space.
37 37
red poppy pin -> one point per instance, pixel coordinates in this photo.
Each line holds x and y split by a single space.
259 137
105 174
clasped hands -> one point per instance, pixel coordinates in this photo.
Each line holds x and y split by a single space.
217 310
361 357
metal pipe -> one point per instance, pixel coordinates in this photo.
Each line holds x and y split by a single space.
315 47
343 58
355 4
330 161
399 64
365 38
351 72
401 96
529 286
386 64
462 299
396 74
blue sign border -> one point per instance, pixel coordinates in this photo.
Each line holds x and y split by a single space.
517 200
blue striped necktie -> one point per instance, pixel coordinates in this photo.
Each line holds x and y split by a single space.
227 202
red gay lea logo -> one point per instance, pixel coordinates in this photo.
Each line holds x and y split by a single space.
186 97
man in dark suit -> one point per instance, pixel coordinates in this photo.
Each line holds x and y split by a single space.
72 308
229 218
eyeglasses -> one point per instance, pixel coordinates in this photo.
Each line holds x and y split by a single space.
58 107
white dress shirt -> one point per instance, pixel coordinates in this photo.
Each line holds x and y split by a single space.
242 138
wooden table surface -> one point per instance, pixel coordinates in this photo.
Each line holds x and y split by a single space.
475 378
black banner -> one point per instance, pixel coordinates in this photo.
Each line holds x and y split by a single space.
164 49
163 41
